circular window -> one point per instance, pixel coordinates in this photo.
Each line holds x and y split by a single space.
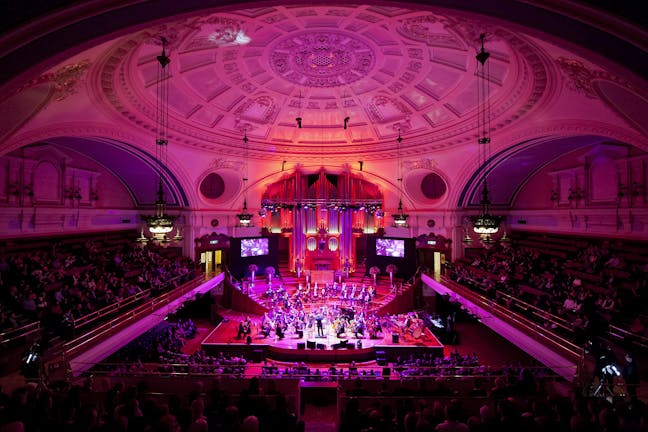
212 186
333 244
311 244
433 186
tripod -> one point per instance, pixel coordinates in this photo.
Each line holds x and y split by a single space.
604 388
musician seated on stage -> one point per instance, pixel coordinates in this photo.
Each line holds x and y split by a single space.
339 328
281 329
245 328
266 328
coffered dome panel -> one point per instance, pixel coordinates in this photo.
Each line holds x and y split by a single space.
384 70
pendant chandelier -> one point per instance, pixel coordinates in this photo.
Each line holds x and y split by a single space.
161 224
400 218
245 217
484 224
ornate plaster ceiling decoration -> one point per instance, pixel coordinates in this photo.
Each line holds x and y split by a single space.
257 70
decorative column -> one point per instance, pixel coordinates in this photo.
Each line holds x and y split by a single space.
346 237
298 238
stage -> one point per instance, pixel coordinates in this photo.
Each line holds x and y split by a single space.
394 341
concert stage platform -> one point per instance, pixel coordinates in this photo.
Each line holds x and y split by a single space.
393 343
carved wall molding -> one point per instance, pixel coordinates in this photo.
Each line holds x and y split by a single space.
579 77
235 165
89 129
426 164
567 127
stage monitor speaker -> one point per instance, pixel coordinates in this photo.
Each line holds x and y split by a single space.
310 344
386 371
336 346
321 346
395 338
300 334
248 340
301 345
381 358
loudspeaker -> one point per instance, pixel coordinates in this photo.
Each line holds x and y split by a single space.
381 358
310 344
301 345
321 346
386 371
395 338
300 334
248 340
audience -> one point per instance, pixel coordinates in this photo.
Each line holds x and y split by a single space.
61 285
558 286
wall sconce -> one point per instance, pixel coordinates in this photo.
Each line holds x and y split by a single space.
94 196
621 190
635 189
73 193
466 238
283 165
554 196
346 122
361 164
28 190
576 194
14 189
299 122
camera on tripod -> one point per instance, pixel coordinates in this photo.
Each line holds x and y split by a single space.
32 361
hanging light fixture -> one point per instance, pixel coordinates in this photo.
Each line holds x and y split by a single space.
485 223
400 218
161 224
245 217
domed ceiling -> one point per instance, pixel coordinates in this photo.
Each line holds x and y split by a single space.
323 84
256 71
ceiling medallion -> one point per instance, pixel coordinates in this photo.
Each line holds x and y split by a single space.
322 58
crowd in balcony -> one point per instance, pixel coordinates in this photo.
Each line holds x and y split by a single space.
593 289
59 285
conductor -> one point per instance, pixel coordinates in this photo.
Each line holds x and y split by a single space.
320 326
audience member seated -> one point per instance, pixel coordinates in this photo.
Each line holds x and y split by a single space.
60 286
562 289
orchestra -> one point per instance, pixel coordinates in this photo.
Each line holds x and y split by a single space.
330 309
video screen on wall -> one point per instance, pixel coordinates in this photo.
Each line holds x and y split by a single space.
390 247
254 247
